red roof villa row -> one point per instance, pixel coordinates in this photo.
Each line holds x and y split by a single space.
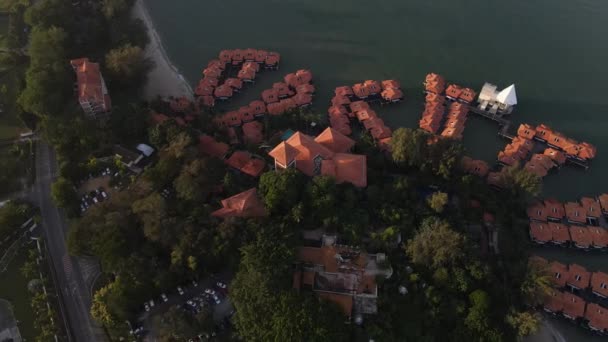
589 210
573 149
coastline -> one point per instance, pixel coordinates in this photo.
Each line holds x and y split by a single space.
164 79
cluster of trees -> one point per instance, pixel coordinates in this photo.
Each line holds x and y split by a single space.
12 215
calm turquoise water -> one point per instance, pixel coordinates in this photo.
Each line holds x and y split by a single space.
554 51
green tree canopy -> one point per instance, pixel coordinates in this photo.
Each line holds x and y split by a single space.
63 193
281 191
127 64
435 244
47 13
437 201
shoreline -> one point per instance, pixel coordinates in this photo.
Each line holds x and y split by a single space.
164 78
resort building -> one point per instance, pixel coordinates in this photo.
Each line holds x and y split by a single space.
599 284
554 302
597 317
341 274
537 212
434 83
578 277
560 273
244 204
497 102
540 232
575 213
323 155
580 237
555 210
476 167
592 208
574 306
244 162
560 234
599 236
209 146
91 89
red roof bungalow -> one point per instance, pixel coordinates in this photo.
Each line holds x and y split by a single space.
507 158
234 83
272 60
207 101
282 89
542 133
338 100
578 277
597 317
386 84
252 132
244 204
373 87
226 56
540 232
537 169
245 114
495 179
479 168
288 104
560 234
260 56
337 110
581 237
599 236
250 54
358 106
92 93
526 131
537 212
305 89
543 160
238 56
560 273
575 213
209 146
555 209
361 91
592 208
574 306
276 108
335 141
203 89
453 91
392 95
302 99
434 83
216 63
209 81
554 302
223 92
603 199
467 95
251 65
270 96
557 156
526 144
233 118
586 151
363 115
298 78
246 75
599 284
257 108
344 91
244 162
435 98
212 72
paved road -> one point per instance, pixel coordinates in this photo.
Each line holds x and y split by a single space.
75 294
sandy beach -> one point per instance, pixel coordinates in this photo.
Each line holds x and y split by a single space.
546 333
164 79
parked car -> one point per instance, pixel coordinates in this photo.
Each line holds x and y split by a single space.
180 291
216 299
194 283
164 297
151 303
147 307
220 285
103 194
95 200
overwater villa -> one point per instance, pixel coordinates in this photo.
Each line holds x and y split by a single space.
603 199
599 284
581 238
476 167
574 306
597 317
575 213
540 232
497 102
599 237
434 83
578 277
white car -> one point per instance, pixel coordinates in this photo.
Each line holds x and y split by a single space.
216 299
103 194
180 291
151 303
95 200
194 283
208 291
164 297
221 285
147 307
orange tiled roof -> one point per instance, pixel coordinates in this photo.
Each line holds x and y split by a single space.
603 199
358 106
337 110
257 107
302 99
284 153
560 273
554 301
363 115
308 150
305 88
581 236
434 98
479 168
392 94
250 54
560 233
386 84
540 232
351 168
467 95
272 59
270 96
246 74
245 113
243 162
591 206
211 147
251 65
537 211
339 100
238 55
288 104
574 306
212 72
234 83
434 83
216 63
282 89
335 141
207 101
578 276
554 208
453 91
244 204
597 317
373 87
542 132
526 131
575 212
599 283
260 56
209 81
226 56
90 83
543 160
599 236
361 91
586 151
276 108
252 132
385 144
223 91
557 156
344 91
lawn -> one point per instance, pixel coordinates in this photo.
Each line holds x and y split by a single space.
13 287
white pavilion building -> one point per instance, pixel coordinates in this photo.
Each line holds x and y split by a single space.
493 101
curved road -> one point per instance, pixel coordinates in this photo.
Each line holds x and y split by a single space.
75 298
